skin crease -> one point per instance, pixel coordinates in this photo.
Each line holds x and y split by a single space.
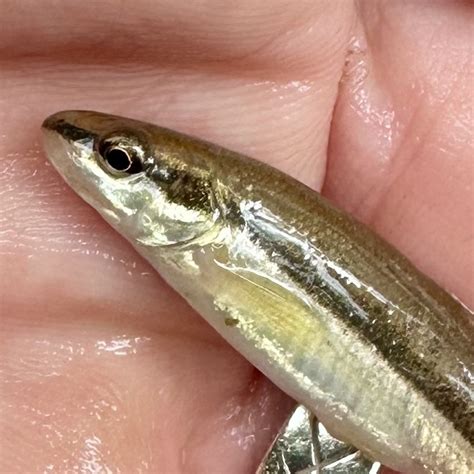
105 369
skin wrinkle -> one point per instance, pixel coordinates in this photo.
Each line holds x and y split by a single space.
265 97
367 205
358 77
196 46
245 424
100 382
402 169
371 209
87 311
60 74
429 82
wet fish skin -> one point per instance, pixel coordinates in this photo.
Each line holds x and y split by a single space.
326 309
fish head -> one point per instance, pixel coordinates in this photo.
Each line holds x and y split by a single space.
151 184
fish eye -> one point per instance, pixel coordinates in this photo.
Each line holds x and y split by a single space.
120 157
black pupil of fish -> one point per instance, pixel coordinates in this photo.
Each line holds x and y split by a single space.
118 159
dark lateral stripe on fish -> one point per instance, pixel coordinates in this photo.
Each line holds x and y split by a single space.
437 388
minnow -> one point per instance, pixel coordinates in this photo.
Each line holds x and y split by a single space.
330 312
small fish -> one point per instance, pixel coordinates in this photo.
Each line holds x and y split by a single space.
331 313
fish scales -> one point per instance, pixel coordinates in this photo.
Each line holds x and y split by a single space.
330 312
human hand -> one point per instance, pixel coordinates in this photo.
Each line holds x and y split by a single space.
103 367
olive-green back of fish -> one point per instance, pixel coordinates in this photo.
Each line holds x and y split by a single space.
329 311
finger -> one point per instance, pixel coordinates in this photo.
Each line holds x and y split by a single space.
90 308
255 34
101 362
401 145
274 102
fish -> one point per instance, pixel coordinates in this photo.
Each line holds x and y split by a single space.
326 309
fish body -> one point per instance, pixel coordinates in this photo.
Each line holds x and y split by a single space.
331 313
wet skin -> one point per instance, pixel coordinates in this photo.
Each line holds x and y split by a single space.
102 364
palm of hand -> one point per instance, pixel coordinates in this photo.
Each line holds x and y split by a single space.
103 366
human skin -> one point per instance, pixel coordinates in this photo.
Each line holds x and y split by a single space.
103 367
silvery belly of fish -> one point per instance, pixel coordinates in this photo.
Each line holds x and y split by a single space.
330 312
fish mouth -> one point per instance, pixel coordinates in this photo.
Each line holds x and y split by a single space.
67 144
69 148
